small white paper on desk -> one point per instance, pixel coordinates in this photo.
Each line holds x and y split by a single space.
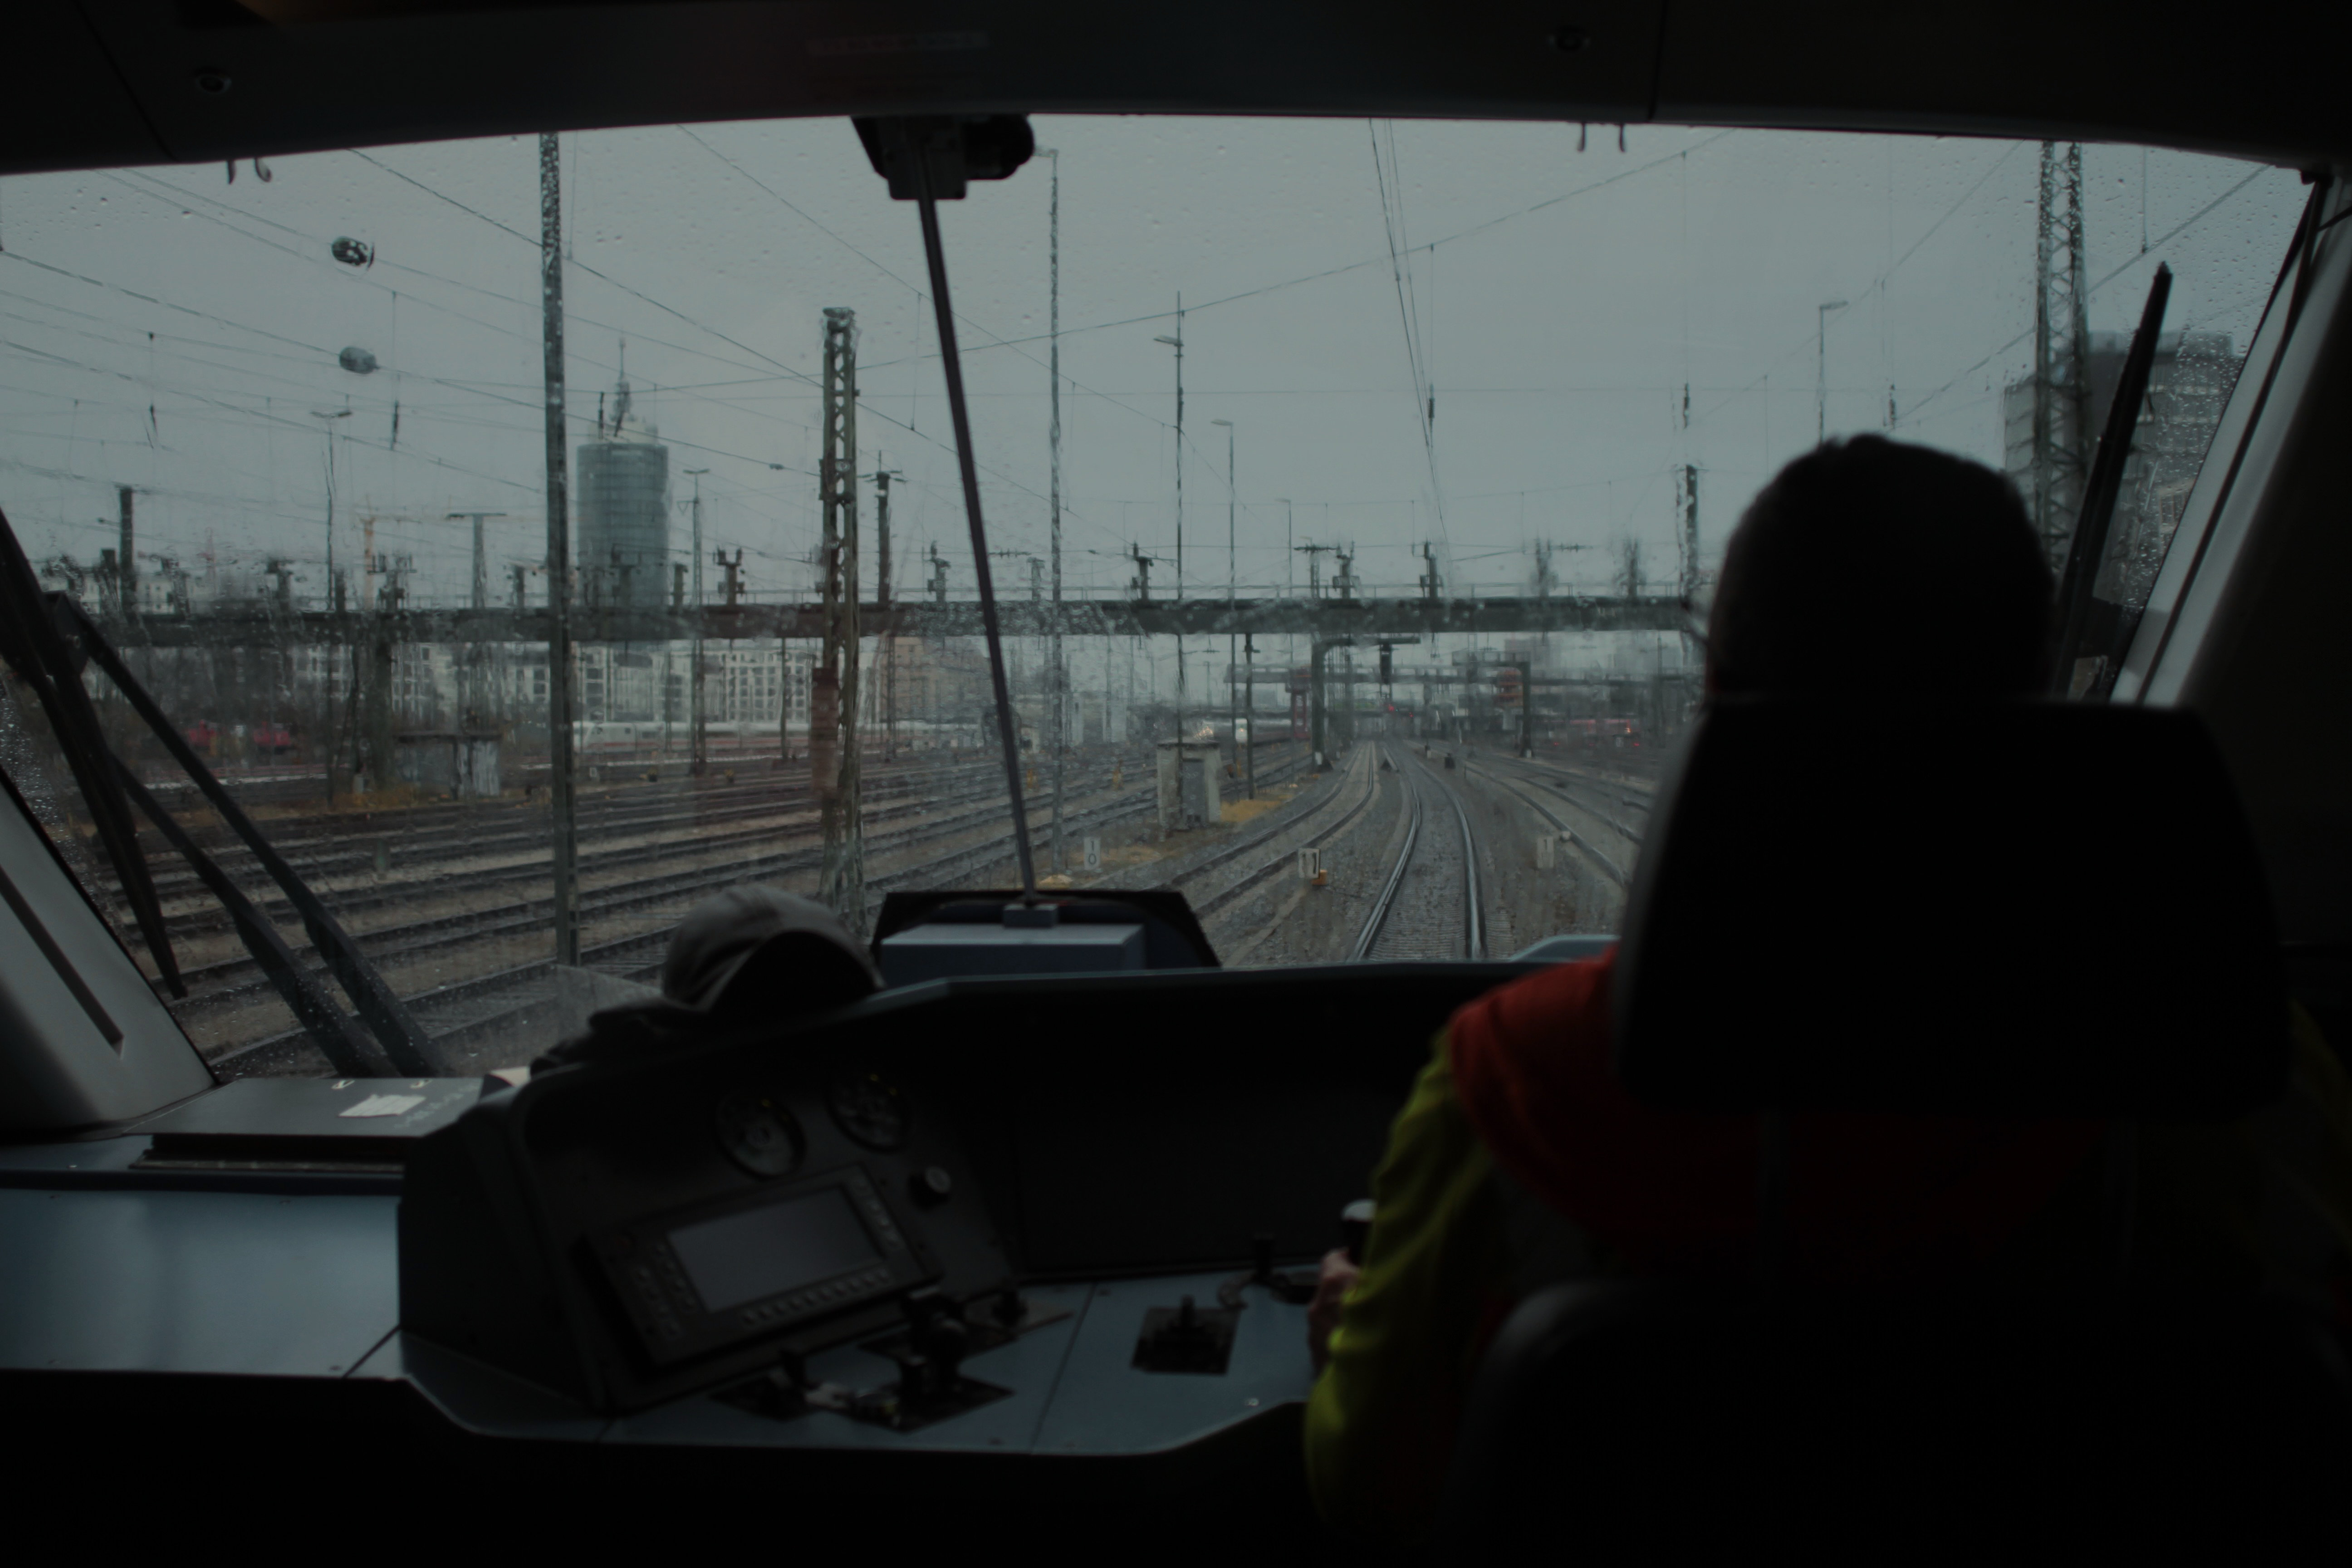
386 1105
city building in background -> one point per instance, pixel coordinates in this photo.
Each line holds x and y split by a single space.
2188 383
621 502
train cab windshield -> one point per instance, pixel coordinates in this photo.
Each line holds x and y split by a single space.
1079 815
1356 492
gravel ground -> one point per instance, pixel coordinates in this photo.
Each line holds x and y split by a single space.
1427 920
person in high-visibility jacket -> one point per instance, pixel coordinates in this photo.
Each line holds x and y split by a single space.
1519 1159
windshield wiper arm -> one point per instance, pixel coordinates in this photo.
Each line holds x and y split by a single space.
34 646
347 1050
930 158
2088 551
407 1045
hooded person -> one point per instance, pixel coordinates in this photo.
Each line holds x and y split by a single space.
750 953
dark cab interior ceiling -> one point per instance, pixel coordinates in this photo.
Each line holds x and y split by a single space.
109 82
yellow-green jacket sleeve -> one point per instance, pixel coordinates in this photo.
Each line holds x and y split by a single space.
1380 1424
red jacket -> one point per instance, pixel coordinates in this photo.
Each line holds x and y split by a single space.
1872 1199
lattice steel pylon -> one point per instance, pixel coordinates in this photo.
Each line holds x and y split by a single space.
833 768
2062 344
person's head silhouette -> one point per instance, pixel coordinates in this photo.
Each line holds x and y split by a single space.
1872 567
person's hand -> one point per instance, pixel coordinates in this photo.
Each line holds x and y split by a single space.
1332 1283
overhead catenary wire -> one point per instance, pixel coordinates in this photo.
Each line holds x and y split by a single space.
1346 268
786 370
1408 314
2169 235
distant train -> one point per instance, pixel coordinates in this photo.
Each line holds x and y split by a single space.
1604 734
614 738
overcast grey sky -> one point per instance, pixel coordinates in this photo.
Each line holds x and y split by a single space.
1561 298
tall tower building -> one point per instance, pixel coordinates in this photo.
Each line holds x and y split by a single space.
621 495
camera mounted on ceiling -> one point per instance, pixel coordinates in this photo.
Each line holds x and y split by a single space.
958 148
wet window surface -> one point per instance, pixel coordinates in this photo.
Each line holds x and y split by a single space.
1251 400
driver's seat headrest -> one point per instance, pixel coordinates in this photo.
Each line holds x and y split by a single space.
2020 908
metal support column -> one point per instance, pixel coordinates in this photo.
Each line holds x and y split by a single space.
841 884
1249 712
563 857
2062 383
698 736
1056 695
885 662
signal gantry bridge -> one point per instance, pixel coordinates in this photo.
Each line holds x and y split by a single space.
268 624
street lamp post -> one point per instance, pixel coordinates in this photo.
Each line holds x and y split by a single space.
1822 370
1289 591
1177 342
327 429
1233 716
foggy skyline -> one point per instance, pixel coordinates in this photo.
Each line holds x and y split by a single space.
1557 301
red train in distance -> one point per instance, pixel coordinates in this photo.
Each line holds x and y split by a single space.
1605 734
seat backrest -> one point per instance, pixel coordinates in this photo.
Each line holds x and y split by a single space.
1627 1421
2013 908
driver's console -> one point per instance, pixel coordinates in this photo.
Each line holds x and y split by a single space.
977 1217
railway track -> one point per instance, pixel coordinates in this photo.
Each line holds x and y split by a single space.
1602 797
1430 906
794 823
1609 865
1255 849
504 829
1324 822
457 1011
235 980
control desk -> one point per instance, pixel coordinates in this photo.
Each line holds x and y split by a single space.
971 1219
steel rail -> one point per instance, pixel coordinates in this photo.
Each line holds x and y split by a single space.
273 1049
410 940
1217 902
490 831
1571 793
1381 905
1473 911
774 822
1474 925
1616 873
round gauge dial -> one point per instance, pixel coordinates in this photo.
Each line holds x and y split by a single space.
868 1104
759 1133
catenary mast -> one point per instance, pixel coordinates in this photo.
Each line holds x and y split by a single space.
1056 698
564 852
2061 388
834 765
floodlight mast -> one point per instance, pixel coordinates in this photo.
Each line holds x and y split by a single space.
1233 503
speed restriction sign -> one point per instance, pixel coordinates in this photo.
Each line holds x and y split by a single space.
1094 854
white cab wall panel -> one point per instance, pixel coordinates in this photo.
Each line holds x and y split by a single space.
57 1069
2247 623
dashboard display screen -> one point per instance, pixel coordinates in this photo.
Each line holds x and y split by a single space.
765 1251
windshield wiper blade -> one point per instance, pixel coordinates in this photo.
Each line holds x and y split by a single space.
929 158
347 1050
407 1045
2087 552
32 643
